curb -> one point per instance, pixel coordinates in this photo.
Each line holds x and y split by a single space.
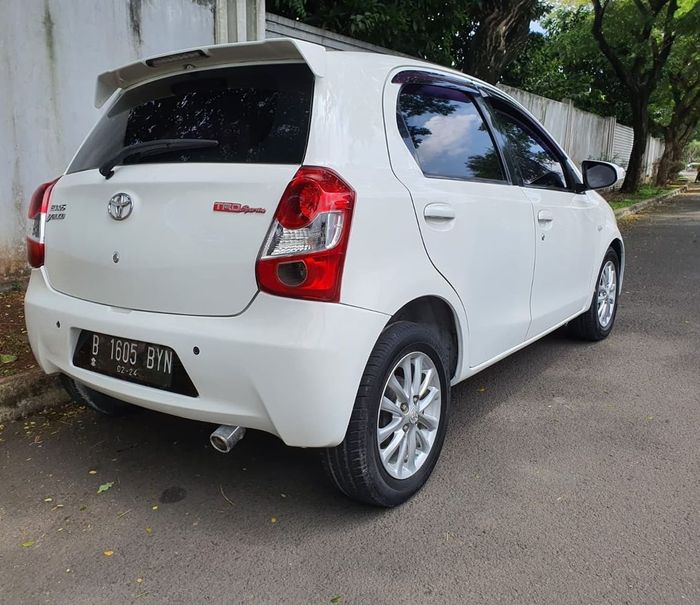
29 392
639 206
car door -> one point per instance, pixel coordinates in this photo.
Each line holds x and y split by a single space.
477 228
564 220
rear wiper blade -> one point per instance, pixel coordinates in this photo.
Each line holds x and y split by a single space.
147 148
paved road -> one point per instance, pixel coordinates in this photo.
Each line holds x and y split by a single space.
572 478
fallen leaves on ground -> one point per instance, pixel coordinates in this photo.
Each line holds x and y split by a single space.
28 544
105 486
108 553
7 358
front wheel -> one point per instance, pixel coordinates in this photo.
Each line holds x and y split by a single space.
597 322
398 424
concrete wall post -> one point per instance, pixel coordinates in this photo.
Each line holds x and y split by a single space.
239 20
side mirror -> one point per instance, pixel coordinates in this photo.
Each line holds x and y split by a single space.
599 175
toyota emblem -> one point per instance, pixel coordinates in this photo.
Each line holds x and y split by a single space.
120 206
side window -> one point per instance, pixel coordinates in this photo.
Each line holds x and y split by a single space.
446 133
537 165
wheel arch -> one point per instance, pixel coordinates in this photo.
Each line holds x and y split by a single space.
618 245
439 313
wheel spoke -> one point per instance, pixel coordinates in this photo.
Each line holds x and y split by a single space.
398 389
417 374
427 400
389 450
411 448
407 378
401 462
421 440
389 406
428 421
393 426
426 382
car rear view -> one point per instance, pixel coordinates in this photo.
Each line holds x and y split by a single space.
162 253
181 262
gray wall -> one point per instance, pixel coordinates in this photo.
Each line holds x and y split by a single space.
50 53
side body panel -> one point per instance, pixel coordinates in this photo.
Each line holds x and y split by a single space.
486 251
566 243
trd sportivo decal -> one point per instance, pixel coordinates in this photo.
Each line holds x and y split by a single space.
57 212
237 208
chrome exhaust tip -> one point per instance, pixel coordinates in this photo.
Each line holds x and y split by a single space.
226 437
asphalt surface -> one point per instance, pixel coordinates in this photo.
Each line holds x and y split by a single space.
570 474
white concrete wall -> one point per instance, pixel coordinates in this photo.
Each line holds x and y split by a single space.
50 53
587 136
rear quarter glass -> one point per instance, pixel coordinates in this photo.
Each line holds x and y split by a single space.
259 114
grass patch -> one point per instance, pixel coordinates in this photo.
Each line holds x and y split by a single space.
621 200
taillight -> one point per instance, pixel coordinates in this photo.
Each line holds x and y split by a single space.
38 207
304 252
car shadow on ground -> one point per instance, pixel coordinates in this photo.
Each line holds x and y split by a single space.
163 460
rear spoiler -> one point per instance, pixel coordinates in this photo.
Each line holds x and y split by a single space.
273 50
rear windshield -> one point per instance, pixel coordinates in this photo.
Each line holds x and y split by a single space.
259 114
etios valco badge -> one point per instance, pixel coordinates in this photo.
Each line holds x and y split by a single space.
120 206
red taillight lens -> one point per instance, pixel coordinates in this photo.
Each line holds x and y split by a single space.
304 252
38 207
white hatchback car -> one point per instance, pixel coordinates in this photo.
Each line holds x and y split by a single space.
315 244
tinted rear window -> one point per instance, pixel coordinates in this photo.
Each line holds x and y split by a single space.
446 133
259 114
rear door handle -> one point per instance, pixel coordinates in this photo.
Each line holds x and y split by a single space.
545 216
439 212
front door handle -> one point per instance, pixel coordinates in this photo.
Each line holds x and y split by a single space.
545 216
439 212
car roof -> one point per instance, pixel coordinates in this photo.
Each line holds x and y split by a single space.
270 50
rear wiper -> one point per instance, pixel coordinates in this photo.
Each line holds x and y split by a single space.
138 150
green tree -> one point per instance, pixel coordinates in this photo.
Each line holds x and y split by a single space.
479 37
564 62
636 37
679 97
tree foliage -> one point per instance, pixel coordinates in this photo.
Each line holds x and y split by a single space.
564 62
479 37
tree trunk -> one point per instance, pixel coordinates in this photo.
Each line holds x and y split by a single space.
670 156
640 125
501 34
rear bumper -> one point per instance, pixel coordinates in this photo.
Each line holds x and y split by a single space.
288 367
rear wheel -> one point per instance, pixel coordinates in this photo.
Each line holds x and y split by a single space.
104 404
597 322
398 424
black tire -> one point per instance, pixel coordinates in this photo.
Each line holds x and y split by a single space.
104 404
587 326
355 466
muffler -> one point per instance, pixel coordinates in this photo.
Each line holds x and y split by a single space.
226 437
